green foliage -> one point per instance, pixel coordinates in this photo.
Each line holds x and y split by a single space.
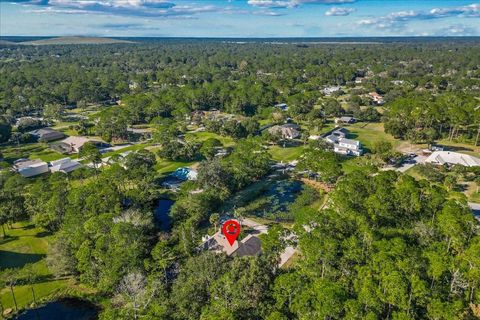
324 163
377 251
5 131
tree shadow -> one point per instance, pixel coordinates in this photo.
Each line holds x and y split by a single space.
455 148
8 239
10 259
43 234
352 135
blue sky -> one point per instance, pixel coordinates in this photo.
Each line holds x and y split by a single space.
240 18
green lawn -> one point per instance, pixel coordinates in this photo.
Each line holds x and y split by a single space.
202 136
27 244
286 154
30 150
369 133
165 166
133 147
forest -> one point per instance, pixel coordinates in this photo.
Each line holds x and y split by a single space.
370 243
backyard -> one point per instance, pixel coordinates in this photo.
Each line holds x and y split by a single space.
26 246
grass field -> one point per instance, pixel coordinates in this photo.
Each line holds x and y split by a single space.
26 244
165 166
202 136
370 133
286 154
30 150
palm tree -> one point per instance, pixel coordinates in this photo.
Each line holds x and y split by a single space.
31 277
10 276
215 219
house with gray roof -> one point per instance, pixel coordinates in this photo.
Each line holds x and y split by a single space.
342 145
64 165
30 168
248 246
47 134
286 131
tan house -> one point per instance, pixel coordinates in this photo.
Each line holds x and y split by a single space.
249 246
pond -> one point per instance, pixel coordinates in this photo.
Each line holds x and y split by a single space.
269 198
63 309
162 214
282 193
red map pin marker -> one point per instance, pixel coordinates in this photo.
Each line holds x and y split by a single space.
231 230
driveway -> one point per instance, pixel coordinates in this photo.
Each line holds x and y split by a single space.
419 159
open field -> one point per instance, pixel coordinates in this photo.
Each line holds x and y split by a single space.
286 154
370 133
30 150
204 135
23 245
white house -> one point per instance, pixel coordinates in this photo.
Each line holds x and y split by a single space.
345 120
30 168
329 90
453 158
282 106
348 147
64 165
342 145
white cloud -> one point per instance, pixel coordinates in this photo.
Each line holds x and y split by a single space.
275 4
456 30
140 8
339 11
397 20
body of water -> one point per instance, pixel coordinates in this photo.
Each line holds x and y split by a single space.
162 214
63 309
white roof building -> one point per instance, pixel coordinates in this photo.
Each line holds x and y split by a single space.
30 168
453 158
329 90
348 147
64 165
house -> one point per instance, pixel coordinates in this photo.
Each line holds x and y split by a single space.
282 106
377 98
348 147
249 246
453 158
47 134
335 135
342 145
359 80
330 90
345 120
197 116
73 144
64 165
30 168
286 131
397 82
